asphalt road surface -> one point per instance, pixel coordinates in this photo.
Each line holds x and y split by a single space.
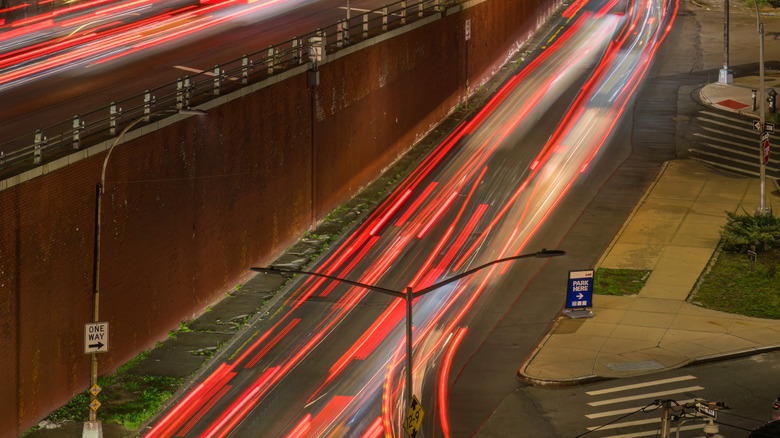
329 359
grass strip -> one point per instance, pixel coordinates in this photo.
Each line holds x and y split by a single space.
619 281
736 285
127 399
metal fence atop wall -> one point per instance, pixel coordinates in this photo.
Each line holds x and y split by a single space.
49 143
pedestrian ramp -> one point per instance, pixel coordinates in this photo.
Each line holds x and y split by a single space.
628 411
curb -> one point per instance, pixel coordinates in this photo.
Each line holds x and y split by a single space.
733 355
594 378
559 382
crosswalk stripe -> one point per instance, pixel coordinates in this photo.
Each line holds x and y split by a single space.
625 411
750 154
723 166
739 121
654 432
703 137
751 163
724 116
626 424
735 135
645 396
640 385
719 123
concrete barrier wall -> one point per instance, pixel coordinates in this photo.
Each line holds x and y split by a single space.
190 206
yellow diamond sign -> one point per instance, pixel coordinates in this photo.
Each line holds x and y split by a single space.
95 404
414 416
95 390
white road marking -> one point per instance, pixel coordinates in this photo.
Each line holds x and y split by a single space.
650 396
640 385
626 424
654 432
625 411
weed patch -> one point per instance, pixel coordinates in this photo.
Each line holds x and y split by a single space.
127 399
619 281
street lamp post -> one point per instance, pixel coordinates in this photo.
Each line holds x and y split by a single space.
726 76
761 98
409 295
96 254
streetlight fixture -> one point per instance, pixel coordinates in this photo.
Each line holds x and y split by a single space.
98 208
762 210
409 295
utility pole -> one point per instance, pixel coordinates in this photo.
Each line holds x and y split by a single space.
665 411
726 76
762 210
316 48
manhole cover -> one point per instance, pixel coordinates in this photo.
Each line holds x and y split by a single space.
634 366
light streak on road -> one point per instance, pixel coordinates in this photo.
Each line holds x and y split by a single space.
444 380
91 33
326 364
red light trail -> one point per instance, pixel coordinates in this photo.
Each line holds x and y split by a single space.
467 201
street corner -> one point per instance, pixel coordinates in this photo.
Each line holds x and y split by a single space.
552 363
734 97
567 373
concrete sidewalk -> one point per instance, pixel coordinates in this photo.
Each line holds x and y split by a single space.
672 232
737 97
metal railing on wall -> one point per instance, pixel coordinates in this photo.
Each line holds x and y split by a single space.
55 141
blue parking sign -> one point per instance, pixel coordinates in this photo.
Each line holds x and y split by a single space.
580 289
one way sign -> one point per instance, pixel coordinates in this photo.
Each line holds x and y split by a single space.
768 127
96 337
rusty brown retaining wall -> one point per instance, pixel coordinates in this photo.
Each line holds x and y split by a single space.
189 207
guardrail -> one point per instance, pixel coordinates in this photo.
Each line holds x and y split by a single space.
103 124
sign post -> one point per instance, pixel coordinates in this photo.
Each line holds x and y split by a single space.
95 341
580 294
468 37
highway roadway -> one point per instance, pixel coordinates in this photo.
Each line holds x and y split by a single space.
55 66
328 358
